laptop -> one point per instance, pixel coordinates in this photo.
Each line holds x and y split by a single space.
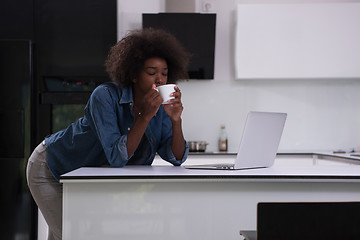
259 143
307 220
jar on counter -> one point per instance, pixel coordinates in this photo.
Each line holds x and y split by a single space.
223 140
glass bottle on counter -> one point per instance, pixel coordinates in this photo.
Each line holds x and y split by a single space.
223 140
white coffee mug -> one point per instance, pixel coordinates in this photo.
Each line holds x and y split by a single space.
165 92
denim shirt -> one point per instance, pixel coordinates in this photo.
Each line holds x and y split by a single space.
100 137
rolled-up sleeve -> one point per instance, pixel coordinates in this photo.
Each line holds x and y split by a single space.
172 159
165 149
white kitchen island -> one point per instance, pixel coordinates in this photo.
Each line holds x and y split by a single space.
165 202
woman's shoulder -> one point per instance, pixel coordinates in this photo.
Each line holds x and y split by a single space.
108 86
110 89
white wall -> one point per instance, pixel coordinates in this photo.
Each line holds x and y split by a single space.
322 114
129 13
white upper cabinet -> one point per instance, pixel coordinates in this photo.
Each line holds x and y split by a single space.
296 41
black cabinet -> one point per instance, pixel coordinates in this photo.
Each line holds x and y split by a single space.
18 211
40 38
16 19
15 98
72 40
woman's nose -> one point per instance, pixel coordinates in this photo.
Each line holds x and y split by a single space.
160 79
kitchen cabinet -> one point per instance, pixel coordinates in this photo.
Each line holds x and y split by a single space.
72 40
38 39
16 19
18 211
298 40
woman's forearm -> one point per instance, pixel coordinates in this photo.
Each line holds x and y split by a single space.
178 141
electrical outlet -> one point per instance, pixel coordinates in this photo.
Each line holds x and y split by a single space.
208 6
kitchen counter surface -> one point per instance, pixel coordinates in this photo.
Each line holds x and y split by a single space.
169 173
294 172
353 155
234 153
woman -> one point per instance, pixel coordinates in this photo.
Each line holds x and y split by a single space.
124 121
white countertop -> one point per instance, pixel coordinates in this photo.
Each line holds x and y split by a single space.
315 173
351 155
